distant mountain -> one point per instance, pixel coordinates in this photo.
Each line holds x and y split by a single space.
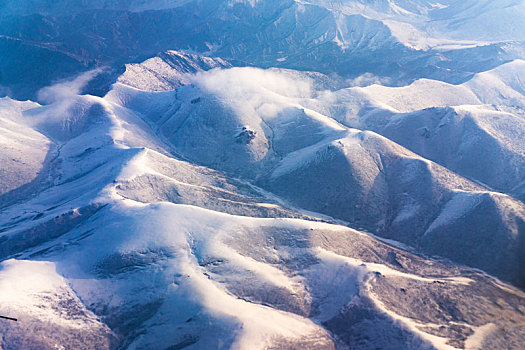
347 39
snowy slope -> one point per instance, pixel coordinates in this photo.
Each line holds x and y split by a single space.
480 143
167 71
122 264
287 175
502 86
253 124
475 128
19 141
453 24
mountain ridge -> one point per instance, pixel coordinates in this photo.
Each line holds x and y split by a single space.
262 174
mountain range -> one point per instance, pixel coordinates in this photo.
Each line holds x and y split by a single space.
262 174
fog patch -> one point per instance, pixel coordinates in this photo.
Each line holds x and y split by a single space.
241 83
66 89
368 79
66 113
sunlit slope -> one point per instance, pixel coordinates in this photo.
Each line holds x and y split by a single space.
140 247
475 129
159 274
129 259
254 124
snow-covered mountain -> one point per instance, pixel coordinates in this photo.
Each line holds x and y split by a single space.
268 174
254 123
348 38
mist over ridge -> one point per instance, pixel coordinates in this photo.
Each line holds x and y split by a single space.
262 174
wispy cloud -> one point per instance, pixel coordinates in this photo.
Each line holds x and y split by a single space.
368 79
241 83
66 89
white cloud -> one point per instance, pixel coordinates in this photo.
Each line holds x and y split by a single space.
66 89
368 79
241 83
